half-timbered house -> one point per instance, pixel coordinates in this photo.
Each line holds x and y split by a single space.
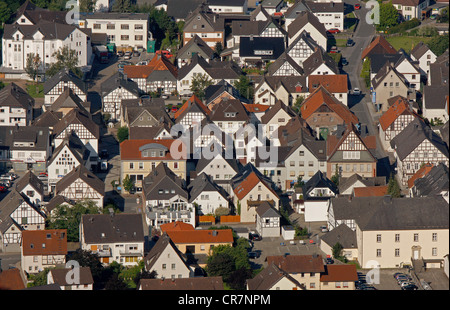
81 124
57 84
80 185
31 186
114 90
17 214
416 145
43 249
192 113
285 66
302 47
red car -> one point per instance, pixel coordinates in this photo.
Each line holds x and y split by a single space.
357 6
333 30
2 189
165 53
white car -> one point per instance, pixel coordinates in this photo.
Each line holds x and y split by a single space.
127 55
356 91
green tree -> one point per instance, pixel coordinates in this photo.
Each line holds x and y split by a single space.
439 44
88 259
127 183
5 13
220 264
33 63
218 49
336 250
388 16
122 134
297 104
365 71
65 58
87 5
335 177
199 83
393 188
122 6
244 87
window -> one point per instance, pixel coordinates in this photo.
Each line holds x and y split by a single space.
397 237
138 37
124 37
138 27
111 26
434 237
416 237
124 26
97 26
434 251
338 284
312 285
163 266
378 238
378 252
131 166
173 266
397 252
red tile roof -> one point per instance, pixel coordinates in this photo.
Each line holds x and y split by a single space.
297 263
339 273
248 184
423 171
193 100
44 242
379 46
129 149
322 96
176 226
10 279
334 83
158 63
255 107
399 107
201 236
370 191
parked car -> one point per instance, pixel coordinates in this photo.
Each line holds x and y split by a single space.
104 154
166 53
344 62
406 283
104 165
123 64
334 50
44 174
357 6
350 42
3 189
253 255
333 30
356 92
255 237
142 63
7 176
329 261
411 287
120 53
5 182
127 55
323 228
136 54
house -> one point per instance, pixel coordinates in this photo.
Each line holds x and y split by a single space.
200 242
284 65
205 23
114 89
194 46
166 198
82 282
343 235
319 63
350 151
439 70
306 21
434 182
250 186
316 193
16 106
347 184
68 101
417 144
80 184
45 38
158 76
435 103
284 88
422 54
206 195
228 7
83 126
47 119
273 278
17 214
305 269
275 117
192 113
294 10
370 191
388 83
167 261
394 120
330 14
256 111
113 237
257 51
394 232
57 84
302 47
24 148
339 277
122 29
50 208
67 156
273 6
182 284
335 84
410 9
145 112
268 220
179 10
219 91
323 112
31 186
12 279
139 157
378 45
214 70
43 249
229 115
409 69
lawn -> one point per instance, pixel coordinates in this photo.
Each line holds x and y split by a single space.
407 43
35 91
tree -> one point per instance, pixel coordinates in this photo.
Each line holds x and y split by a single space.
218 49
87 5
244 87
88 259
127 183
220 264
335 177
388 16
336 250
221 211
199 83
122 6
365 71
297 104
65 58
32 65
439 44
393 188
5 13
122 134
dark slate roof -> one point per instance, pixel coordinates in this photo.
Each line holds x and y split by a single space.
318 58
114 15
284 57
68 99
60 276
296 9
385 71
76 116
80 172
107 228
318 180
180 9
48 119
204 183
193 43
14 96
64 75
75 145
386 213
433 183
212 92
377 61
118 80
325 7
38 135
304 18
30 178
435 97
413 135
265 209
346 183
273 110
230 105
36 14
419 50
439 70
268 277
341 234
252 47
203 162
162 177
216 69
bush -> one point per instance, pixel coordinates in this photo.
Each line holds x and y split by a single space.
400 28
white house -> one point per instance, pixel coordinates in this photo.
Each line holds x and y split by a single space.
330 14
411 9
307 21
422 53
207 195
57 84
31 186
16 106
228 6
316 193
60 276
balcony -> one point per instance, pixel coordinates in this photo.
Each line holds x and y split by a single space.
103 252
